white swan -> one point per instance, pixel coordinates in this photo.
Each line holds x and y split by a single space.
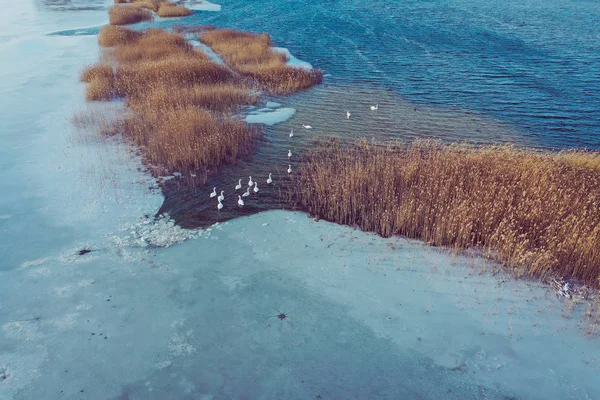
221 197
214 193
292 133
270 180
250 183
220 205
255 187
289 170
348 114
246 193
375 107
289 153
239 185
307 126
240 201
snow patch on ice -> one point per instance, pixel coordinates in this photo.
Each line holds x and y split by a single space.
162 232
40 273
34 263
271 117
180 344
272 104
5 216
291 60
65 322
26 330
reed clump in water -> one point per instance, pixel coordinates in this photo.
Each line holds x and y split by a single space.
168 9
126 14
251 55
179 101
113 35
538 213
163 8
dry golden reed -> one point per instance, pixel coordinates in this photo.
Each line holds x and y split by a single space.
251 55
180 100
163 8
172 10
538 213
126 14
113 35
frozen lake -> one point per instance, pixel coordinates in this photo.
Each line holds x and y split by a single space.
361 317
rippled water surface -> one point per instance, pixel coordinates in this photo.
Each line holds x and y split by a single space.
531 65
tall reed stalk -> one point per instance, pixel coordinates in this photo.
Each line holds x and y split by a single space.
538 213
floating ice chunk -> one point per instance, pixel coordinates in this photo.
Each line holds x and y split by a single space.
291 60
272 117
203 5
272 104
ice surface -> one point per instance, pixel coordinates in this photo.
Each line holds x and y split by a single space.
270 117
157 312
291 60
272 104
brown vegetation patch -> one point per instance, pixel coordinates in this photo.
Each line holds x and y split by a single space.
535 212
251 55
127 14
179 98
113 35
167 10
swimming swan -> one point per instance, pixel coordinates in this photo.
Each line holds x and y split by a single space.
289 153
289 170
246 193
255 187
375 107
250 183
307 126
270 180
214 193
239 185
221 197
240 201
348 114
292 133
220 206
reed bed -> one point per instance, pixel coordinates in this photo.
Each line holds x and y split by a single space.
167 10
126 14
180 100
163 8
251 55
538 213
113 35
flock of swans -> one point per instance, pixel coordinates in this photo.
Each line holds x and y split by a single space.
253 184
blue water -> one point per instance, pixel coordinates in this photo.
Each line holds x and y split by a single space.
533 65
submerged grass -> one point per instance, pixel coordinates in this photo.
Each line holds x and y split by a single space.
180 100
538 213
251 55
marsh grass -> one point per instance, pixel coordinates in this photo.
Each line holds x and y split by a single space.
251 55
180 100
113 35
162 8
127 14
168 9
537 213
